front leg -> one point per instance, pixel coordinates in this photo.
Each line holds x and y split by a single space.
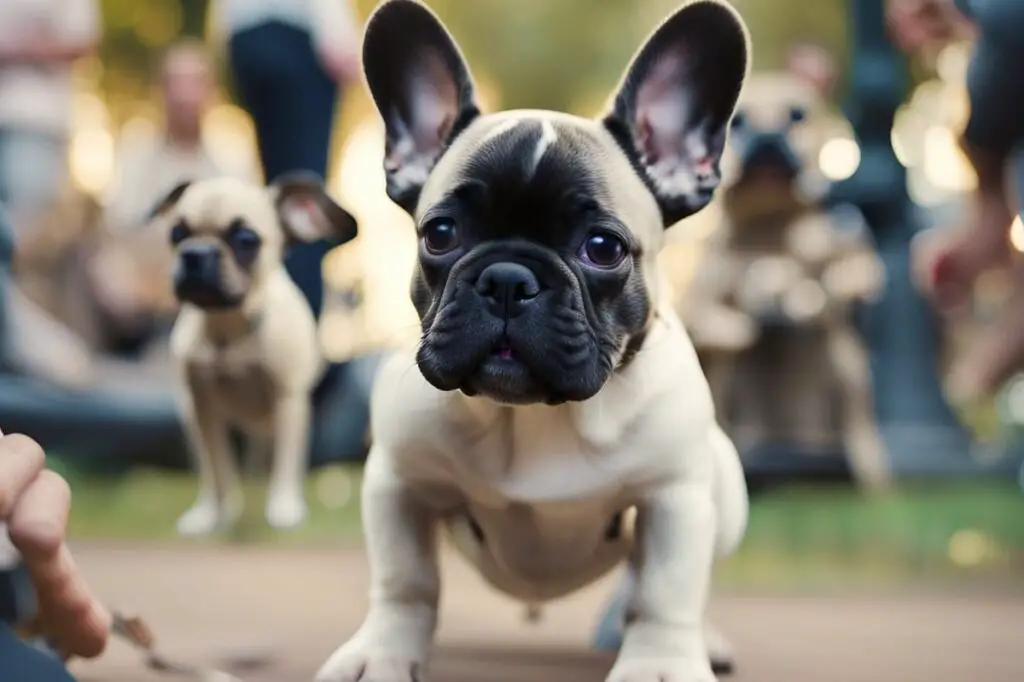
286 500
664 636
219 503
401 545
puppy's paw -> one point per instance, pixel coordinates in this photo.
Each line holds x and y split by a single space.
205 517
347 665
720 651
662 670
285 511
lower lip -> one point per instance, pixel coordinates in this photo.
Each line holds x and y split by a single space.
505 354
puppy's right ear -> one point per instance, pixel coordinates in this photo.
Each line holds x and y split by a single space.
168 202
422 88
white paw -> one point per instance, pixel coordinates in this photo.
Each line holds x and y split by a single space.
662 670
285 511
205 517
352 665
720 651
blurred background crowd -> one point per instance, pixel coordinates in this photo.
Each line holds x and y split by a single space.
106 105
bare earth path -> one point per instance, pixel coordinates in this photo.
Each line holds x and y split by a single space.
299 604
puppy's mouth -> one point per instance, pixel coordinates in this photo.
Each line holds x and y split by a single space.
503 350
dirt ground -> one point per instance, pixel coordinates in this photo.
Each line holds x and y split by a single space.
298 604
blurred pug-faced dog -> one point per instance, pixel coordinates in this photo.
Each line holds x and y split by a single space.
245 340
553 418
771 308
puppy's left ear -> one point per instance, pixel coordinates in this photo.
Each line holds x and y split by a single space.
307 213
672 109
168 201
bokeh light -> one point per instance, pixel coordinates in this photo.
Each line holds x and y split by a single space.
839 158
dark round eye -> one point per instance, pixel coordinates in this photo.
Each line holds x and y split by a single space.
243 239
739 121
179 233
440 236
603 250
797 114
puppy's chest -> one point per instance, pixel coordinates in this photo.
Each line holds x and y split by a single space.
537 509
235 380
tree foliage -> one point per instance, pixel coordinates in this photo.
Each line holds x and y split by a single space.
564 54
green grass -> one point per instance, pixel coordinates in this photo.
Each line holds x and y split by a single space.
145 505
795 537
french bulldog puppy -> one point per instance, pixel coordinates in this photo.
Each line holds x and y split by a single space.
771 306
553 417
245 341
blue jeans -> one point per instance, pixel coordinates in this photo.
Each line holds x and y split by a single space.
291 100
19 661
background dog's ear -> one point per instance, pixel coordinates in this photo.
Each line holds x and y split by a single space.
672 109
168 202
423 91
307 213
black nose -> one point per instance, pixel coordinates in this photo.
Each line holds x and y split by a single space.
771 150
507 288
201 262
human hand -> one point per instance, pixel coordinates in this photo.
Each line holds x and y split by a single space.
915 25
34 503
946 261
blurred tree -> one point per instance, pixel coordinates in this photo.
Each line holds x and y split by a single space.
134 34
564 55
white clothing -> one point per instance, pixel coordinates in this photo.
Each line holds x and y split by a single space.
38 96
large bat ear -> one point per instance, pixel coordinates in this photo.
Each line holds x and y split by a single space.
308 213
672 110
423 91
169 201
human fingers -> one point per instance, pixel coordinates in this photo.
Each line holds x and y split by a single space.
67 608
21 460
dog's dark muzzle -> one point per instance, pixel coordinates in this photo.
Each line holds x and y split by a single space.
197 277
769 153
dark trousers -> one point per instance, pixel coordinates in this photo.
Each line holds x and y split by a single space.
291 100
20 662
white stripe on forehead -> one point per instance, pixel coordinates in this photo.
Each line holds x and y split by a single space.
548 136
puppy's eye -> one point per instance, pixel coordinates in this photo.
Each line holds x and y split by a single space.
797 114
179 233
603 250
243 240
739 121
440 236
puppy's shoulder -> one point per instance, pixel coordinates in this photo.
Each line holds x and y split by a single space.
405 409
288 331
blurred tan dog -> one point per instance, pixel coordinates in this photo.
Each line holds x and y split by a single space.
245 341
770 307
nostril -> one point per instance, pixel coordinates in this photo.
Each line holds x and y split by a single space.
524 291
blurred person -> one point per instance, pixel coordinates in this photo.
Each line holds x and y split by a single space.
129 272
39 42
948 261
38 577
149 168
49 387
292 60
